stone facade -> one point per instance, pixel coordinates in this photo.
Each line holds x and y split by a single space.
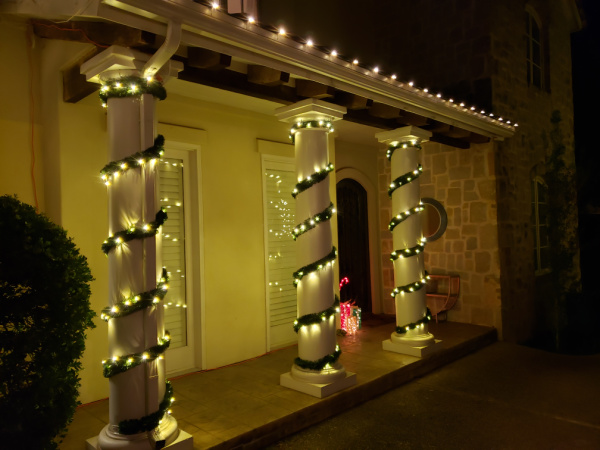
463 181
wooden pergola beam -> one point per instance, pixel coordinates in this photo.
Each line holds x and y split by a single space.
75 85
267 76
312 89
202 58
100 34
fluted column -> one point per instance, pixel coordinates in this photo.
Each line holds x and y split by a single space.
317 370
412 316
140 397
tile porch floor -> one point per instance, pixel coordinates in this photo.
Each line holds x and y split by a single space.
244 405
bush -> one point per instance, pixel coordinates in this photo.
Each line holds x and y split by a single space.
44 312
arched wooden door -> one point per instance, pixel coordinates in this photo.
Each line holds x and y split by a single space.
353 243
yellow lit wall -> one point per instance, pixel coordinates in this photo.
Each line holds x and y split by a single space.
20 97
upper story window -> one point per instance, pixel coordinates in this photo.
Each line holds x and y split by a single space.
535 63
539 212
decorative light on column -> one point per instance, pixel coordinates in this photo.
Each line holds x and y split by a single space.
411 335
132 86
316 370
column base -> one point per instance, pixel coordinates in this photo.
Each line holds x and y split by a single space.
167 432
414 347
317 390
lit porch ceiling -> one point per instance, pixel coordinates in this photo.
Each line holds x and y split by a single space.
230 54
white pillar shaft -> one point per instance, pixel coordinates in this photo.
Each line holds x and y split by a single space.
134 266
410 306
315 290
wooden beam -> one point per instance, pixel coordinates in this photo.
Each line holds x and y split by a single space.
408 118
351 101
75 85
267 76
475 138
202 58
458 143
100 34
312 89
437 127
458 133
232 81
384 111
364 118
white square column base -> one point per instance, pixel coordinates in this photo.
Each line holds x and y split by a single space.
317 390
184 441
405 349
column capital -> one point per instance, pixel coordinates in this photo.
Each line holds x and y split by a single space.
403 134
117 61
310 109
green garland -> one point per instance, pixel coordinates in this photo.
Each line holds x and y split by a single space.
319 364
131 86
310 124
151 421
313 221
404 179
408 252
311 180
399 218
413 325
411 287
312 319
317 265
122 364
115 168
393 148
138 302
135 232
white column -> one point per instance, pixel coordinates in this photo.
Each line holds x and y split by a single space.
134 267
317 370
412 336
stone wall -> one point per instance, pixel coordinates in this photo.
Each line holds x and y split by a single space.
464 182
524 156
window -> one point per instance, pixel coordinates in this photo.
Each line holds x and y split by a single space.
535 72
539 210
279 179
173 248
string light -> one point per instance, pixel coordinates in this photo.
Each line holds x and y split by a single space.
132 86
392 148
115 168
411 287
315 318
151 421
135 232
313 221
124 363
319 364
404 179
401 217
311 180
409 251
301 124
138 302
411 326
326 261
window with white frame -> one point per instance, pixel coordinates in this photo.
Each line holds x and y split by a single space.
533 37
173 248
279 180
539 210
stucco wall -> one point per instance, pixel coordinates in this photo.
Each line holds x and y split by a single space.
20 115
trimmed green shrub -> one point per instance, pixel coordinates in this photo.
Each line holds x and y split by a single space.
44 312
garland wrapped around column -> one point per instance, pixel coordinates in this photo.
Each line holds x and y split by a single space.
308 224
132 86
396 220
